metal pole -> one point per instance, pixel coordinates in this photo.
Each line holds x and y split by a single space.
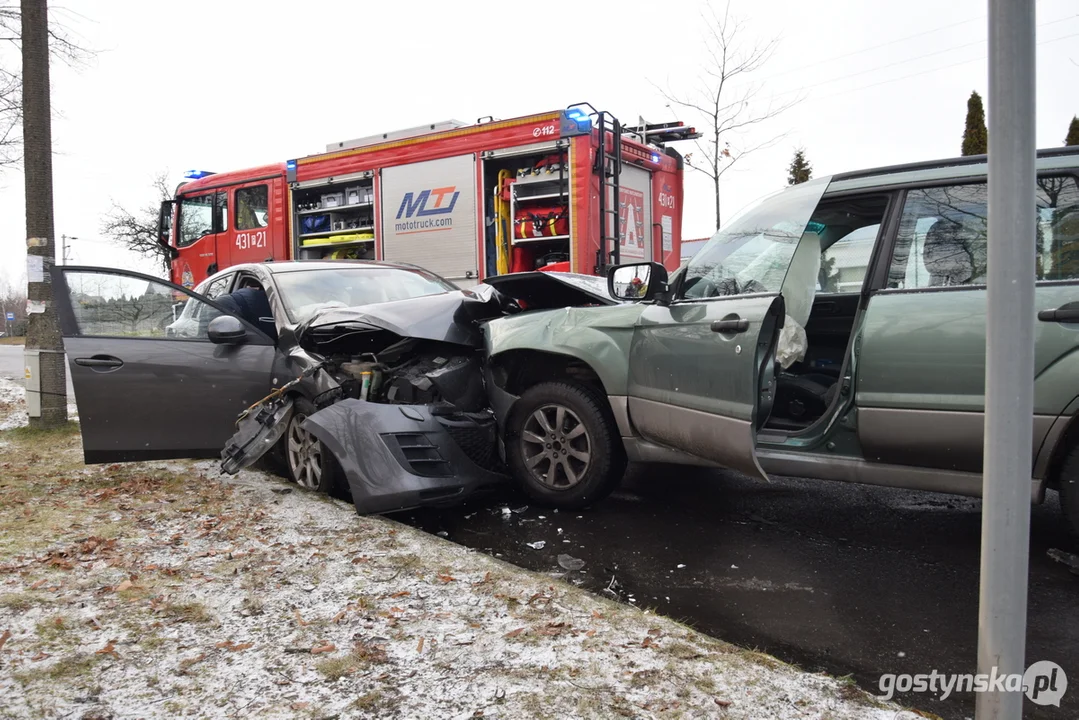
1009 355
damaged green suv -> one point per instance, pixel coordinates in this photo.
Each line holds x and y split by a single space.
835 331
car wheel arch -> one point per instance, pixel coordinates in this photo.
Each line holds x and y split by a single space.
514 371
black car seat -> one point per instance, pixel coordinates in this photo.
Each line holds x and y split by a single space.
945 254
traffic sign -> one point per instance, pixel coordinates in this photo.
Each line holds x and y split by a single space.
11 317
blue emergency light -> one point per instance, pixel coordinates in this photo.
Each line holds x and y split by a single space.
655 157
196 174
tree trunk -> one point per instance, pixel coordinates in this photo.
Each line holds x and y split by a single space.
43 334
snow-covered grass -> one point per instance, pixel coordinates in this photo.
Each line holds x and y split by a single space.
13 405
163 590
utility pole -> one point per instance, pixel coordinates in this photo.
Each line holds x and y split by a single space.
1009 356
46 381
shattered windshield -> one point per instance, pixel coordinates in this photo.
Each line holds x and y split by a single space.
304 292
752 253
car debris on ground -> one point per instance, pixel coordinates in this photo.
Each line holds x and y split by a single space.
159 590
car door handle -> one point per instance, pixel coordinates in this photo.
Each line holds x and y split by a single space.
734 325
101 361
1064 314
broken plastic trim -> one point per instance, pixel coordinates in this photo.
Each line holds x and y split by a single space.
258 430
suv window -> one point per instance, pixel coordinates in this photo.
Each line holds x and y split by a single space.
943 233
252 205
753 252
1058 228
844 263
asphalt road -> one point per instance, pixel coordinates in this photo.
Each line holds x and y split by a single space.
11 365
829 576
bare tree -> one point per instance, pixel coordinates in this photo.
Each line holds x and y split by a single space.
727 98
62 47
138 231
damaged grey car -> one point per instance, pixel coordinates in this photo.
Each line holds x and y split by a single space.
362 379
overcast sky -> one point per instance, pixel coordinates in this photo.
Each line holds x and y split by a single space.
226 85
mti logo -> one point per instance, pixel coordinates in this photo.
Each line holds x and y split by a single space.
417 204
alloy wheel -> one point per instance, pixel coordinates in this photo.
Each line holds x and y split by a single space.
304 454
557 449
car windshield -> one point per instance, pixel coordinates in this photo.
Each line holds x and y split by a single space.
304 292
753 252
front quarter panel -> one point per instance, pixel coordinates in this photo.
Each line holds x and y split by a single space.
598 336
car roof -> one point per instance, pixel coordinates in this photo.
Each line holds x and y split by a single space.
286 266
972 166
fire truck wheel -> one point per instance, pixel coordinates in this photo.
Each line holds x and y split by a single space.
563 445
309 464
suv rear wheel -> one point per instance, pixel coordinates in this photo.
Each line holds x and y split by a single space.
563 446
1069 490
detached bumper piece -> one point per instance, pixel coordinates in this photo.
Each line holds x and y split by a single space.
397 457
257 432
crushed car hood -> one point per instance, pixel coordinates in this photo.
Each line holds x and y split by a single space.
451 317
549 290
454 317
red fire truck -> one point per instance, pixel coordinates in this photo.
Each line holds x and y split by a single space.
466 202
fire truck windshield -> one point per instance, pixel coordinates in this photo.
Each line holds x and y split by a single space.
306 291
196 219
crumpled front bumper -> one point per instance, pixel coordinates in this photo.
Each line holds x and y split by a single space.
397 457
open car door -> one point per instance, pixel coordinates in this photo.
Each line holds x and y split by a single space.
702 367
152 381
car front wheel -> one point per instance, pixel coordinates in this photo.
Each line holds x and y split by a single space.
563 446
309 464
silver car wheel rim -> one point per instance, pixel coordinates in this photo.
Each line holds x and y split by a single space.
556 447
304 454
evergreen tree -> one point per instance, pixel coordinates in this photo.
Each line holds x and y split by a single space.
1073 132
975 136
800 169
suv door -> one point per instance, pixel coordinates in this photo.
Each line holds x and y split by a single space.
921 368
702 368
148 381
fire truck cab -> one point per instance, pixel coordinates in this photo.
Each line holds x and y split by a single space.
571 190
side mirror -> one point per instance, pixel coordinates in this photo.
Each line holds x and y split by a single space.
226 330
639 281
164 228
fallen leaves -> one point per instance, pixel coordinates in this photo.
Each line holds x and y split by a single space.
324 648
234 647
514 633
299 618
4 638
109 649
419 646
446 578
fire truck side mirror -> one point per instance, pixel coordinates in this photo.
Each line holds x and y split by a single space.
164 227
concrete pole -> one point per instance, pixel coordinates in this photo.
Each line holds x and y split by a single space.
1009 355
47 382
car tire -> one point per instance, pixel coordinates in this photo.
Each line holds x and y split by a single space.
584 459
1068 487
307 462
